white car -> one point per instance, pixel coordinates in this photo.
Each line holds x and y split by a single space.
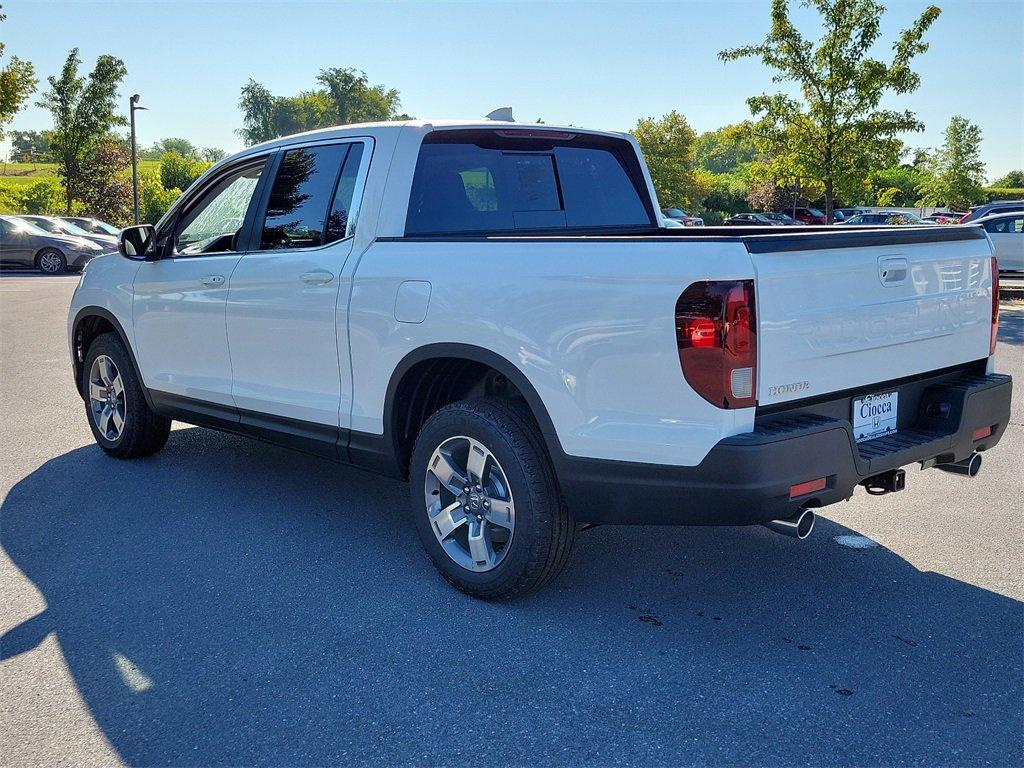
1006 231
495 313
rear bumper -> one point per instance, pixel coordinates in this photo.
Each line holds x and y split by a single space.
746 479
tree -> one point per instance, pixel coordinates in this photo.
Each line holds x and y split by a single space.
212 154
30 146
842 131
667 144
345 96
178 172
106 188
83 114
957 171
896 186
726 149
17 82
154 200
1012 180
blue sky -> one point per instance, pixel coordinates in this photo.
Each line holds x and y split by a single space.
599 65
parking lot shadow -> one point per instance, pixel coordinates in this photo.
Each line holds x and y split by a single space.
231 603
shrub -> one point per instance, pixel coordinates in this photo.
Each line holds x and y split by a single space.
154 200
178 172
1004 193
45 197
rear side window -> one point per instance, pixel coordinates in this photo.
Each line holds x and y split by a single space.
310 200
481 181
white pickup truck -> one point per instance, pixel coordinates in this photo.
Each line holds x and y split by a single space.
493 312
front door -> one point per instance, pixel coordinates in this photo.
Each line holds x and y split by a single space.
180 299
283 295
15 244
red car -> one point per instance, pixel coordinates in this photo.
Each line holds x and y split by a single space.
678 214
806 215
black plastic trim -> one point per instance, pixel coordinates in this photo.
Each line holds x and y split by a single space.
83 314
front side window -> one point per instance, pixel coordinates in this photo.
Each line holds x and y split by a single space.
310 200
487 181
212 224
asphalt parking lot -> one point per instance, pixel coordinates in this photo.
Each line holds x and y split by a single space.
231 603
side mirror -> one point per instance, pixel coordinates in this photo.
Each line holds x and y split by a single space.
136 242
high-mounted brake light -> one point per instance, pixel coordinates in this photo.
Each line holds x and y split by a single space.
522 133
716 333
994 332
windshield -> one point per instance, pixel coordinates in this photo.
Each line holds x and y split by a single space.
815 212
66 227
21 225
105 228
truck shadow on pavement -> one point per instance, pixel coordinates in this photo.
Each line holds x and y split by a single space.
228 602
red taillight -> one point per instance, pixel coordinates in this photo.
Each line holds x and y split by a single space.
716 332
995 308
981 433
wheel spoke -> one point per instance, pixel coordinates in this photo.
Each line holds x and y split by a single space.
480 548
501 513
104 422
117 384
118 419
447 520
443 468
105 370
96 391
477 462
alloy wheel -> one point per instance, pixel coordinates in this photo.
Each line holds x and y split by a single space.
106 397
469 504
51 262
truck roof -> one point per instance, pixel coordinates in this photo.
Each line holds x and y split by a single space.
380 128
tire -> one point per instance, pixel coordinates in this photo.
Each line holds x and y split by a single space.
50 261
141 431
518 480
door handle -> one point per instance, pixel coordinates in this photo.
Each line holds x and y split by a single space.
317 277
212 279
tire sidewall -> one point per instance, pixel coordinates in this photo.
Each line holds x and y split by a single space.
451 422
63 262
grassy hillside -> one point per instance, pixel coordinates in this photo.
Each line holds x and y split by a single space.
15 178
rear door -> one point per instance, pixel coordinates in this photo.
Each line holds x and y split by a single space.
283 295
849 309
15 245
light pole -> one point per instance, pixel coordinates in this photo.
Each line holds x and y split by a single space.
132 107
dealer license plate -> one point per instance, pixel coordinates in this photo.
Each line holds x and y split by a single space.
874 416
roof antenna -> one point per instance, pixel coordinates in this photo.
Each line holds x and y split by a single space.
502 113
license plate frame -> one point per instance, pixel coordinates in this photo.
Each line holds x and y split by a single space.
874 415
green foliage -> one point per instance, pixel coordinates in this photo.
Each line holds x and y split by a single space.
212 154
1004 193
17 82
45 197
726 149
958 174
154 199
1012 180
106 187
345 96
896 186
83 115
177 172
667 144
837 132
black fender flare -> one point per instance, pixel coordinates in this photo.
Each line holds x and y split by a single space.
84 314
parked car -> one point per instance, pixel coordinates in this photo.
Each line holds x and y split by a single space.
848 212
1006 231
784 218
886 219
752 220
944 217
95 226
682 217
525 385
24 244
668 223
807 215
996 206
57 226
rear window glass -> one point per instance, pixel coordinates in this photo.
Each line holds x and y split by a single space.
488 183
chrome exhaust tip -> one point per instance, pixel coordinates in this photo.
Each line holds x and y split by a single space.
970 466
799 526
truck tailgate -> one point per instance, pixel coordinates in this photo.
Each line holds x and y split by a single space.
848 309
